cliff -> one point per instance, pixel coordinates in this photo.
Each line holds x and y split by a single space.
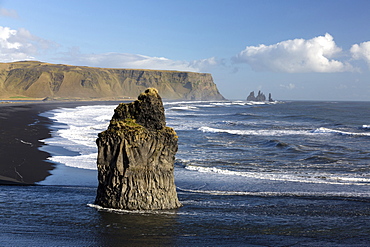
136 156
56 81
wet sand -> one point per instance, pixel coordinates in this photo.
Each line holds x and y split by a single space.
21 128
20 131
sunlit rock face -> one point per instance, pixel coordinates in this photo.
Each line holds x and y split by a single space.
66 82
136 157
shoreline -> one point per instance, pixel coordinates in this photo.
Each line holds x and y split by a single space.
21 129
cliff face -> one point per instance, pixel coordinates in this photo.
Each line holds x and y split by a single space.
136 156
41 80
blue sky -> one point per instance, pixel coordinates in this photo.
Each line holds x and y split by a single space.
295 49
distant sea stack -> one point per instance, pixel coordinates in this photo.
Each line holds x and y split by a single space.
136 156
56 81
259 98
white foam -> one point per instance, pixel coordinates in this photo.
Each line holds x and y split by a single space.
256 132
183 107
76 130
256 103
274 132
275 193
333 131
124 211
228 103
87 161
263 102
320 178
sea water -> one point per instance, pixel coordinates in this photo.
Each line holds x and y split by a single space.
256 174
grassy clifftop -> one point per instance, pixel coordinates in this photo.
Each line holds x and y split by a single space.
40 80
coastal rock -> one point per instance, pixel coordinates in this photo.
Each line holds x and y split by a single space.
259 98
270 98
251 97
136 157
34 79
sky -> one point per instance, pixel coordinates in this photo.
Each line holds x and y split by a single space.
293 49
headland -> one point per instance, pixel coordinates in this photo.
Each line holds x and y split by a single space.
45 81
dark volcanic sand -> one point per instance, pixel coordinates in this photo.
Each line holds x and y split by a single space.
21 128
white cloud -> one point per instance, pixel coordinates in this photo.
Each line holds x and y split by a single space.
204 64
361 51
290 86
295 56
8 13
16 45
20 44
136 61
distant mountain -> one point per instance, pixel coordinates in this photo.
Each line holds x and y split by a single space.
57 81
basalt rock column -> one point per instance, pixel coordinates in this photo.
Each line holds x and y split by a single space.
136 157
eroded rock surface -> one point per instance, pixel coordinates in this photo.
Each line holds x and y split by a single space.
259 98
136 157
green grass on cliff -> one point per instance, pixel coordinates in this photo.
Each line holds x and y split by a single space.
35 79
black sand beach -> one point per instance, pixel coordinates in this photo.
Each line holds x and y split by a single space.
21 128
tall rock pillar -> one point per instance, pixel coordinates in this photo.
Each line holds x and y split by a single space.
136 157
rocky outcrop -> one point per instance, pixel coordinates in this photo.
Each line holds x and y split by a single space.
57 81
259 98
136 157
270 98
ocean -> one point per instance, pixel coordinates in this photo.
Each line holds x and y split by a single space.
292 173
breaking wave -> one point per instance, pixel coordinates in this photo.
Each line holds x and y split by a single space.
323 130
260 132
75 131
321 178
278 132
282 194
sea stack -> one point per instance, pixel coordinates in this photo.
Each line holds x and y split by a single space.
136 156
259 98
